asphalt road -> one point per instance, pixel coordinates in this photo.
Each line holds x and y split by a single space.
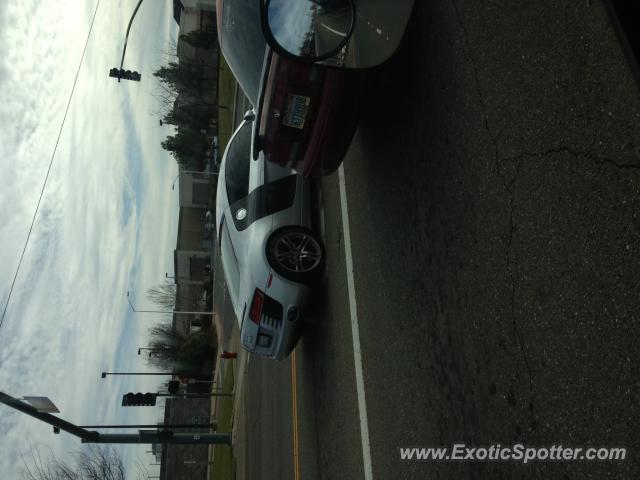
493 217
495 247
263 431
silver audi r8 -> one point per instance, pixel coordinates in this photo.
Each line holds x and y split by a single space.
270 255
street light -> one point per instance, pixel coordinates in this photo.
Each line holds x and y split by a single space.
181 312
152 350
195 376
173 184
104 374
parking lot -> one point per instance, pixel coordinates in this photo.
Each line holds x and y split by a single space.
492 192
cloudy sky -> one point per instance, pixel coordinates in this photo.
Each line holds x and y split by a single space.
107 220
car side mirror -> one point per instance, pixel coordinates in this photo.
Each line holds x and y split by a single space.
308 30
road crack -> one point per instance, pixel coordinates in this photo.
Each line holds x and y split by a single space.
576 154
476 78
508 179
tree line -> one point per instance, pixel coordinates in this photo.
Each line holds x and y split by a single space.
185 85
174 348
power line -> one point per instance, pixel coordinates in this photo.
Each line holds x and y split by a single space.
46 178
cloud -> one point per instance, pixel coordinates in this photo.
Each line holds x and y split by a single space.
107 218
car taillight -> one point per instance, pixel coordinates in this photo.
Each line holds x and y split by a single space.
255 312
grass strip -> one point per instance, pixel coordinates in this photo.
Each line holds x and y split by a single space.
223 462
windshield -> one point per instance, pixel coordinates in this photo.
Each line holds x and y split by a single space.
243 43
238 165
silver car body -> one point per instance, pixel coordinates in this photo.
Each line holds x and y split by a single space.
243 231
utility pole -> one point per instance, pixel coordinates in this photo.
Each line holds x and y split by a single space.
104 374
181 312
195 376
148 399
164 426
153 351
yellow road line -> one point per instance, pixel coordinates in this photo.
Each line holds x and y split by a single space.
294 407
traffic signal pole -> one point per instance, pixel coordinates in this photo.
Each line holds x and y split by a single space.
57 423
164 425
162 436
122 73
194 395
89 436
126 37
149 399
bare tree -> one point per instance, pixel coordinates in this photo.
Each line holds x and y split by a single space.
168 295
163 93
163 295
171 348
93 464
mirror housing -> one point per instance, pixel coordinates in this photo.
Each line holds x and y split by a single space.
374 34
308 30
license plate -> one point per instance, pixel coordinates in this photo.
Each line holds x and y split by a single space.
296 112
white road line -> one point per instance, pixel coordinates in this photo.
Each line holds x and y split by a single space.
355 331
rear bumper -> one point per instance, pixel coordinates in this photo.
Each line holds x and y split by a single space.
296 299
334 98
293 298
335 123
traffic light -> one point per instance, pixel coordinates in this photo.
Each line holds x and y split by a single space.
124 74
138 399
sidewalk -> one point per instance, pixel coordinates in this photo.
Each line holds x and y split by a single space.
224 320
238 434
221 456
238 369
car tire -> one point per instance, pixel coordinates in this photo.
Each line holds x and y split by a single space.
296 253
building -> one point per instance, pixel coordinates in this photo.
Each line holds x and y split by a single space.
195 16
183 8
195 189
194 247
186 462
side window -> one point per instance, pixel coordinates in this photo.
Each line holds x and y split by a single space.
238 164
265 200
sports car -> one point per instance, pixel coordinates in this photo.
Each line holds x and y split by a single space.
270 254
